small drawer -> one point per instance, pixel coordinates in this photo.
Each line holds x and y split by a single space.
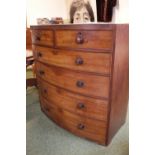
83 83
84 106
82 61
88 128
42 37
84 39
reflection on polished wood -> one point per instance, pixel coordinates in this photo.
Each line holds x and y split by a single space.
82 72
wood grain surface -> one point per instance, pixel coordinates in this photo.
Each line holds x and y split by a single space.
42 37
84 106
83 76
86 84
91 39
90 62
88 128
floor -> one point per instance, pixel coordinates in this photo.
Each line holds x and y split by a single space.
43 137
46 138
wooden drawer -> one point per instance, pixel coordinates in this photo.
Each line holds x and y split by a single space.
82 61
84 106
83 83
42 37
88 128
84 39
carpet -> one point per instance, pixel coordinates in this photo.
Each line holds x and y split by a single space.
44 137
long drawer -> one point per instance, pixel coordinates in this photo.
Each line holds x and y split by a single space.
84 39
83 83
84 106
82 61
42 37
88 128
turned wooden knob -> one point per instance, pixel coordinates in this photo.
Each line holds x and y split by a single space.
80 126
79 61
45 91
37 38
39 54
47 109
41 72
80 106
79 38
80 84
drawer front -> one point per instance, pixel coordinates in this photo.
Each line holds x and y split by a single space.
86 84
84 39
82 61
84 106
88 128
42 37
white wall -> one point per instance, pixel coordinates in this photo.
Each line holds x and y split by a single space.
44 9
54 8
121 12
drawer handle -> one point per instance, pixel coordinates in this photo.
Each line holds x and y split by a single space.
45 91
79 61
80 126
39 54
41 72
80 106
37 38
80 84
47 109
79 38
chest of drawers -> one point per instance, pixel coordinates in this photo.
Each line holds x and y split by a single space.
82 74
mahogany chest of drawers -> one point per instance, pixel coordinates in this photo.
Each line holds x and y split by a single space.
82 73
